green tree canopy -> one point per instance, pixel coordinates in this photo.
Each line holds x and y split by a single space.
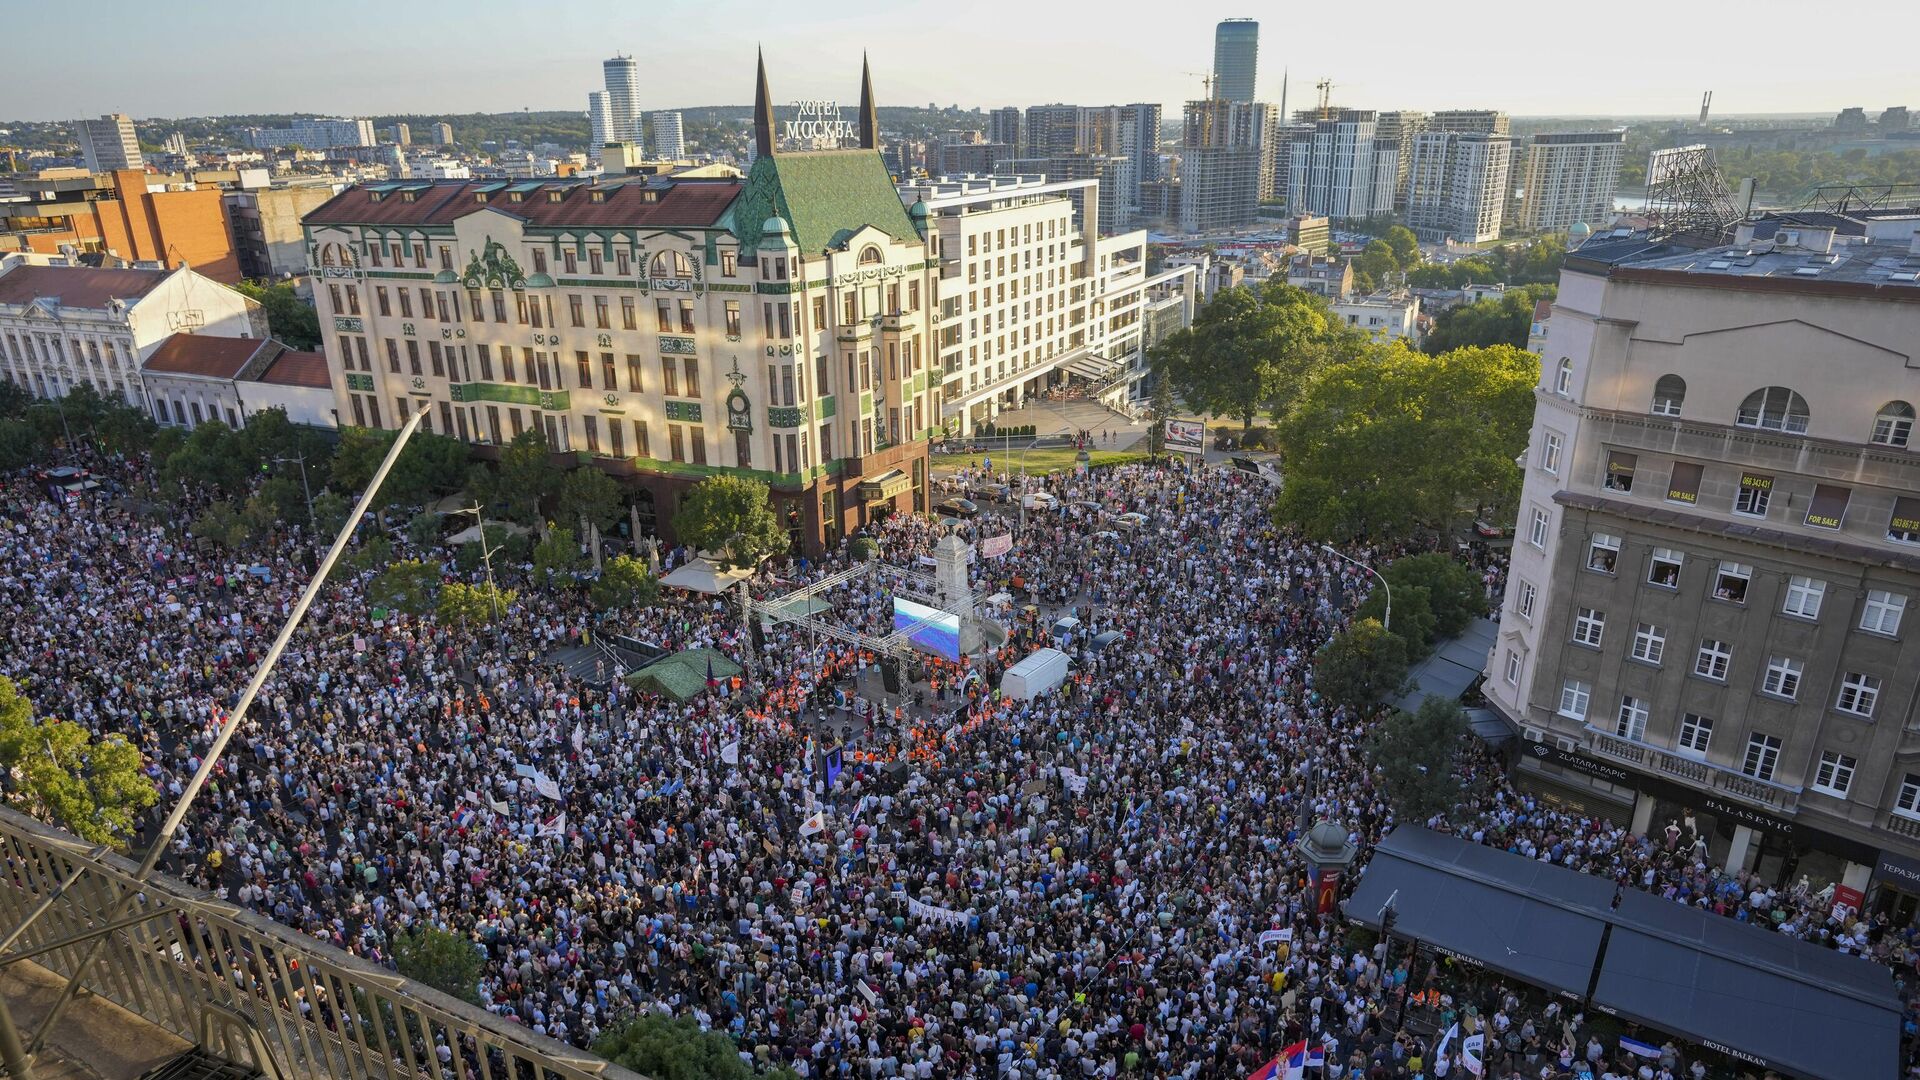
450 963
675 1048
19 445
1249 352
1434 597
556 556
91 787
1393 440
587 492
211 460
474 605
1414 755
430 466
526 475
233 524
731 516
410 586
1404 245
1360 667
1502 321
289 318
624 582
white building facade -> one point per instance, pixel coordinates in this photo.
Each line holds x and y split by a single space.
623 99
1338 171
1570 178
64 325
1457 185
669 138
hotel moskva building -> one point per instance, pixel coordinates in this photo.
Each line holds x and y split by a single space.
664 329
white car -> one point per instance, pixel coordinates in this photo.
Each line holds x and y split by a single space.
1039 500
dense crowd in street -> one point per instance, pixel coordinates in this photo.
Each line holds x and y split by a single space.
1074 886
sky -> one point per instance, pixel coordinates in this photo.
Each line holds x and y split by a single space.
372 57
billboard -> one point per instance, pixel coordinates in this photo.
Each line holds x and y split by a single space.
1186 436
933 630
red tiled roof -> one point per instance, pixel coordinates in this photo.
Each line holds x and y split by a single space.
683 202
290 368
77 286
203 354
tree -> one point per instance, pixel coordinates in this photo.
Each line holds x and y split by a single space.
19 446
1434 597
1393 440
450 963
93 788
210 460
1248 351
1404 245
588 493
675 1048
624 582
1502 321
475 605
124 429
430 466
1414 755
423 528
232 524
14 400
556 555
732 517
289 318
525 477
330 510
409 586
1376 261
1360 667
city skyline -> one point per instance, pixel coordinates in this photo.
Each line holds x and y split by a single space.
1523 62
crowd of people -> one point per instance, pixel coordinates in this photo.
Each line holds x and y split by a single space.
1079 885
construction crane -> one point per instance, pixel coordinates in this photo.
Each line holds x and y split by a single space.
1206 114
1325 109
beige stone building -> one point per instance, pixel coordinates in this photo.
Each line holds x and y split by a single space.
1712 604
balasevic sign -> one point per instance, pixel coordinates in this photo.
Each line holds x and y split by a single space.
818 120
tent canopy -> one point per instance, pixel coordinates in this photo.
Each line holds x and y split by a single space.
702 575
683 675
1765 998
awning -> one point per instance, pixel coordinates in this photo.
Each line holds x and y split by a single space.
1092 367
1452 667
1760 997
1479 903
885 486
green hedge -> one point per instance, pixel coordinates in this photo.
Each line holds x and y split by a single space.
1017 431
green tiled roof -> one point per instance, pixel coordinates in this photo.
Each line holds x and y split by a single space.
823 194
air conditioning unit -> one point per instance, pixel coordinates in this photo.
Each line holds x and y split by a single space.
1533 734
1566 745
1786 238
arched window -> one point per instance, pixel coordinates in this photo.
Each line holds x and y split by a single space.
870 255
1563 382
1668 395
672 264
1894 425
336 255
1774 408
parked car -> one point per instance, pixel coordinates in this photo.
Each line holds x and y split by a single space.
959 508
1039 500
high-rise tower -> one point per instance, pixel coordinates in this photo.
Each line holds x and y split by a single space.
623 100
1236 54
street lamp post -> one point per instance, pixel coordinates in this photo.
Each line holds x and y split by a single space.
304 488
1023 472
486 557
1386 624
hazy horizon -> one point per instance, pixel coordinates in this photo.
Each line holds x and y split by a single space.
191 58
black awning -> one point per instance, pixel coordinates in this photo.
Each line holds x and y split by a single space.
1763 997
1754 995
1479 904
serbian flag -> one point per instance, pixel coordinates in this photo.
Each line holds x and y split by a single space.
1269 1071
1295 1060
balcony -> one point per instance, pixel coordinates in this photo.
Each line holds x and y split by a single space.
1702 774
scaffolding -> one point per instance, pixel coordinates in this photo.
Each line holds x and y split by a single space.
1688 197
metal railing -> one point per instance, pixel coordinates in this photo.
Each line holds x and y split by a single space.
251 990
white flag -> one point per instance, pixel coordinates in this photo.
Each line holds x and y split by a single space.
556 827
814 824
579 738
730 753
547 785
1269 937
1470 1052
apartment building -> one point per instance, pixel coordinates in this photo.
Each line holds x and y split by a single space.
126 214
1457 185
1338 170
1711 607
665 328
63 324
1570 177
1003 126
1031 294
109 143
622 80
1397 128
669 137
319 133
